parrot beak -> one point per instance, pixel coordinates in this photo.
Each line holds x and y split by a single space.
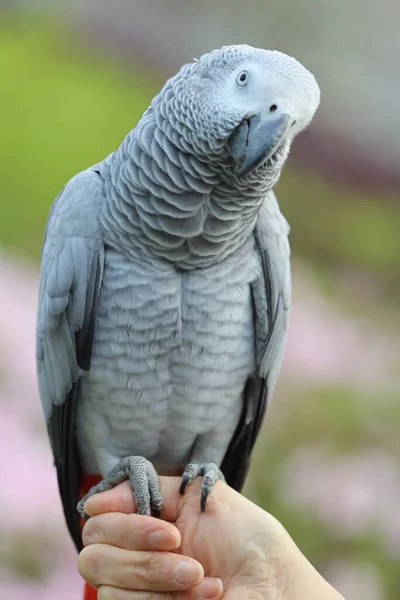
255 141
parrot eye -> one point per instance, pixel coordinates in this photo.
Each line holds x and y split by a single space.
242 78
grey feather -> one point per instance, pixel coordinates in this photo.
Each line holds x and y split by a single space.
71 271
71 257
271 293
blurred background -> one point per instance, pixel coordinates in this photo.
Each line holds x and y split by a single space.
75 77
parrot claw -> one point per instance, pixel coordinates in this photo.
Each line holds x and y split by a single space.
210 473
144 483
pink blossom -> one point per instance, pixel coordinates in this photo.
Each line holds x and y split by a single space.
356 580
347 494
325 346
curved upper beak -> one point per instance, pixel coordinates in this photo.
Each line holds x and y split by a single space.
254 141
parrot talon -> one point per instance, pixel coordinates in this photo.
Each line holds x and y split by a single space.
156 504
185 481
203 499
210 472
144 484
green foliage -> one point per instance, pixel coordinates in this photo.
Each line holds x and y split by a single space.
334 225
61 112
19 555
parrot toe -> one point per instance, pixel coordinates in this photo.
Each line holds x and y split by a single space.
144 483
210 473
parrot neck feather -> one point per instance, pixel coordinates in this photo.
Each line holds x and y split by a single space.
165 202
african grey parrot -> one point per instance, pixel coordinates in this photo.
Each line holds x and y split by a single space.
165 283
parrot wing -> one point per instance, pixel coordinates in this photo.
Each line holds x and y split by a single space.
70 279
271 294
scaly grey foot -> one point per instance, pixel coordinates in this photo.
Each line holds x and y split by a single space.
210 473
144 483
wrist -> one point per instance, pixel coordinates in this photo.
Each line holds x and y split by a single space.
301 581
286 572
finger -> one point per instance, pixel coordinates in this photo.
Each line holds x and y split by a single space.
106 592
120 499
101 564
209 589
131 532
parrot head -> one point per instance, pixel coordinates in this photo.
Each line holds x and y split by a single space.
240 108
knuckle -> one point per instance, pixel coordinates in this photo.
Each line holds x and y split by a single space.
106 592
89 564
126 531
155 565
92 532
140 525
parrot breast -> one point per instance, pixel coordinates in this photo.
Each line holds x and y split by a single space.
171 356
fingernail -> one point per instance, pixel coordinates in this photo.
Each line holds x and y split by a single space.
209 589
188 571
164 540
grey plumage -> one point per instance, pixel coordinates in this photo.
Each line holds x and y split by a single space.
165 279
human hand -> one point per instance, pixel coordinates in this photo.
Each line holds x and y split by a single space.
234 540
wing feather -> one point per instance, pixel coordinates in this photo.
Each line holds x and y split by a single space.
70 280
271 294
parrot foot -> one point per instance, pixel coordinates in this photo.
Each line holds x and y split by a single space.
144 483
210 473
